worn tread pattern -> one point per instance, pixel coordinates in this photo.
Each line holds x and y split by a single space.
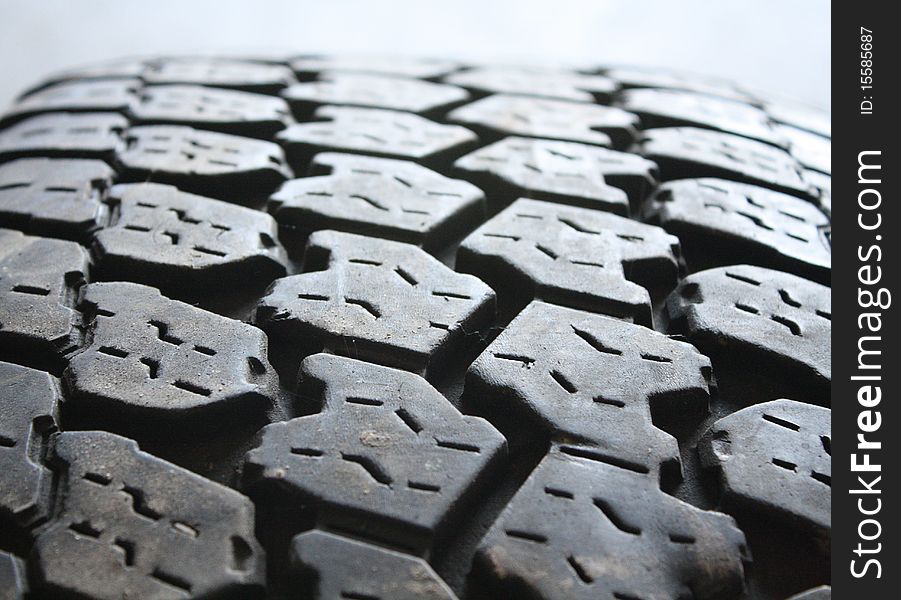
599 530
379 300
775 458
142 527
404 460
180 241
382 197
718 220
565 172
332 560
505 453
683 152
28 403
767 316
592 382
155 357
571 256
54 197
503 114
39 278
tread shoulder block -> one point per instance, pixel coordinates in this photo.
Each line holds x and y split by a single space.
39 281
55 197
142 527
158 357
592 382
177 240
217 164
766 316
379 300
684 152
63 135
394 199
564 172
721 221
28 405
600 531
408 462
228 111
576 257
774 458
114 95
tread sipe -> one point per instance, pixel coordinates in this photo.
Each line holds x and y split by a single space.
377 328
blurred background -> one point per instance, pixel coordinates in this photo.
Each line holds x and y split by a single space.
770 46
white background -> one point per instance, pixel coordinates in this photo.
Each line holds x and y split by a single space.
775 46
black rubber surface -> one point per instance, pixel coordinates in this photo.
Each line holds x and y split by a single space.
745 223
571 256
54 197
376 328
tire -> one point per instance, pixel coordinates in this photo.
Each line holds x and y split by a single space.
360 328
